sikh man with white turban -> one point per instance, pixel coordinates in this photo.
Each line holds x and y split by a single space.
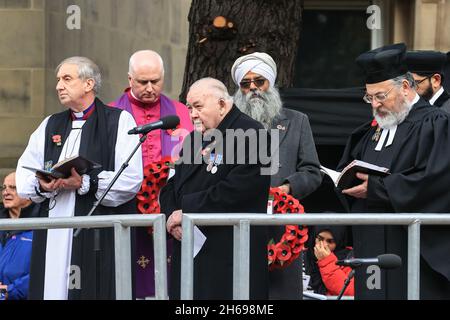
298 171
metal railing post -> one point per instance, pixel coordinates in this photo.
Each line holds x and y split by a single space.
236 257
160 258
122 245
241 249
414 260
187 260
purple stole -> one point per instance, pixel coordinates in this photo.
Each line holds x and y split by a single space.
167 109
144 263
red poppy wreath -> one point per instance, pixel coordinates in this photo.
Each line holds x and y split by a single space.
292 243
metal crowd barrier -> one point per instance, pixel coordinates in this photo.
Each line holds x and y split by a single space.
241 243
122 243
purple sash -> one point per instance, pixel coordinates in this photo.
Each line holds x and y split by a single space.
144 260
167 109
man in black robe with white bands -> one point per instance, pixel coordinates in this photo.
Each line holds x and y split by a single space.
412 139
64 267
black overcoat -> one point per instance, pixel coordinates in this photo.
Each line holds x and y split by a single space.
234 188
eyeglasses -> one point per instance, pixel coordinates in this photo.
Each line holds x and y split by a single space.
12 188
259 82
329 241
379 97
420 81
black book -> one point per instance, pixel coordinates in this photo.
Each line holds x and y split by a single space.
347 177
62 168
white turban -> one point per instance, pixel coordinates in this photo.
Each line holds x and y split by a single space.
258 62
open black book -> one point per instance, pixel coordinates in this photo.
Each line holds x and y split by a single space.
347 177
62 168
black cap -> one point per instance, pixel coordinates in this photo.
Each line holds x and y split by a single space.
383 63
426 62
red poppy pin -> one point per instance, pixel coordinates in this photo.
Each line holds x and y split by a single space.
57 140
374 123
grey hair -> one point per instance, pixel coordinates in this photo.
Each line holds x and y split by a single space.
151 52
217 86
87 69
398 81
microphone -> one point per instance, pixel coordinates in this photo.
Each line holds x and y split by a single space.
169 122
384 261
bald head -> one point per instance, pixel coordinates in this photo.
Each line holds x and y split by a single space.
146 58
146 76
211 86
208 102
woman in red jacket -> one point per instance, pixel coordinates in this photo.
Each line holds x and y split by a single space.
330 245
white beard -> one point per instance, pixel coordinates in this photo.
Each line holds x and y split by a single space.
261 106
393 118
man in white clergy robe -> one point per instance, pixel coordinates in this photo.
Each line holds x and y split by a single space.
62 266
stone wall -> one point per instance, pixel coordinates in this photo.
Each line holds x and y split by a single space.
22 74
35 39
111 30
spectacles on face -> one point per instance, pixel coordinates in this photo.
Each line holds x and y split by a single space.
259 82
329 241
12 188
379 97
422 80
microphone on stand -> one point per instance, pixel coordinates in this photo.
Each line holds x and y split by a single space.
169 122
384 261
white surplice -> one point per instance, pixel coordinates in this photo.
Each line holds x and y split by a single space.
59 241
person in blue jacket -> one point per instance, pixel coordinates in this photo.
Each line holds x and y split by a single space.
15 246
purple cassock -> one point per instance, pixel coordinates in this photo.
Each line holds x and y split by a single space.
144 256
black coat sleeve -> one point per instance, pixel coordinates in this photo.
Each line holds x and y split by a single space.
167 198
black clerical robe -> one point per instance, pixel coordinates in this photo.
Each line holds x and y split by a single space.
91 257
234 188
419 162
443 101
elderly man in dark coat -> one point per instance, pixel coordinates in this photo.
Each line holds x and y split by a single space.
227 182
412 139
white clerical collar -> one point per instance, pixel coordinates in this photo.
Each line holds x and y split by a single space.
132 94
436 96
78 115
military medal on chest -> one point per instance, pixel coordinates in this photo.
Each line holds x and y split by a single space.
210 162
214 161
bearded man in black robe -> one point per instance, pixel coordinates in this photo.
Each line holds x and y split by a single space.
412 139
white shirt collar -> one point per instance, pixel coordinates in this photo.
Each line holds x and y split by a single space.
416 99
436 95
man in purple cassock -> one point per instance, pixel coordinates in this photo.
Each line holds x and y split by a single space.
145 101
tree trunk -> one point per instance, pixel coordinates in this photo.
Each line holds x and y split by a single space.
220 31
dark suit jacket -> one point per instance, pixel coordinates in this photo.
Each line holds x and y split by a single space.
298 161
234 188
